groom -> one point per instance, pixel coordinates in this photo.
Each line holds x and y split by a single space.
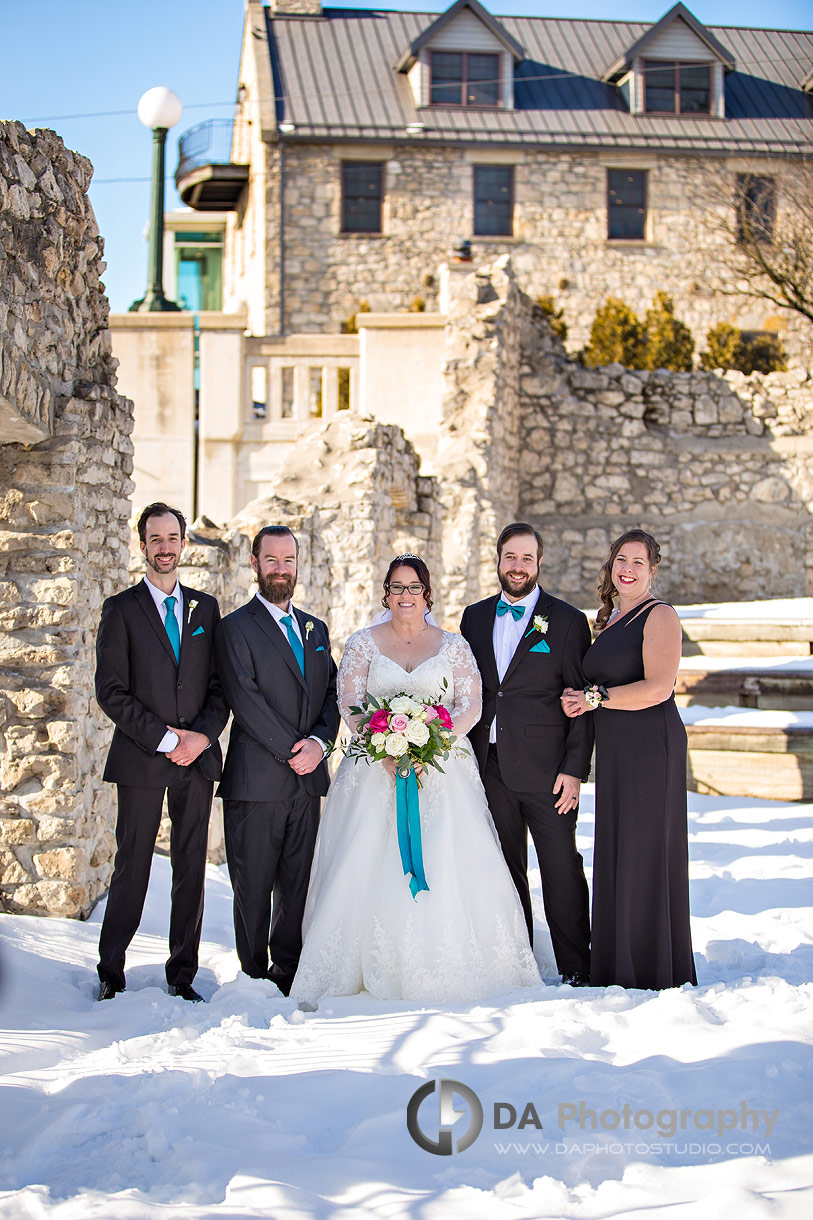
529 646
280 681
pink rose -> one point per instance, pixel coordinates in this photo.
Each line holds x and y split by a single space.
379 721
431 714
398 723
445 719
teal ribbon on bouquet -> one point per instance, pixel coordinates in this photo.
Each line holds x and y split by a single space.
408 821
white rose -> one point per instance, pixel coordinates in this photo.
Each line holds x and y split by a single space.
377 740
402 704
417 732
396 745
415 708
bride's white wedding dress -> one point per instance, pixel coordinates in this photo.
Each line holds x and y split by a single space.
465 939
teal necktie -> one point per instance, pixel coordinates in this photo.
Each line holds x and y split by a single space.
504 607
171 624
294 641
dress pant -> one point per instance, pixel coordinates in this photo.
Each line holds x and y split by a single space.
564 888
269 850
189 803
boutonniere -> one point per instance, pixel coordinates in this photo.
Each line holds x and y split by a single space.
192 607
308 629
540 624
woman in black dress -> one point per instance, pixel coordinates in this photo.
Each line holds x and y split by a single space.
641 935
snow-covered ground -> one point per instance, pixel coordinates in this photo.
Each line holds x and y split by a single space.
773 610
146 1107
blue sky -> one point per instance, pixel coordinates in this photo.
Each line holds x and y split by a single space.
66 58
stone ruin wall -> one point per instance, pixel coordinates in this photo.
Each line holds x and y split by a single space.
65 462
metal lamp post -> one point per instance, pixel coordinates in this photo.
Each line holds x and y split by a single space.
159 109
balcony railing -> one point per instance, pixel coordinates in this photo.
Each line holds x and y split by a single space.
206 177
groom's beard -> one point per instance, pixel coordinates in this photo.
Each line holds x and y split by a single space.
276 589
515 590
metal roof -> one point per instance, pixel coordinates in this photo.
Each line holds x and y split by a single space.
335 79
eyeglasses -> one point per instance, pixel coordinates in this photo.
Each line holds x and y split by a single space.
415 589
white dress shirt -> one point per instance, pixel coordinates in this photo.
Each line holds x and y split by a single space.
507 633
170 740
277 614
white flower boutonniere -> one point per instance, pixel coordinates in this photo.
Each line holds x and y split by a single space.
192 607
540 623
308 628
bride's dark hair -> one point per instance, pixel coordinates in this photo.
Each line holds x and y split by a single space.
606 590
421 571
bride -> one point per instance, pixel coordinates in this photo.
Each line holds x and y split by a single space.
463 939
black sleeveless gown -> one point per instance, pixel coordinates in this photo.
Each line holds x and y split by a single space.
641 935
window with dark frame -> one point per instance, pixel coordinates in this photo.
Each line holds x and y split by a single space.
626 204
494 200
463 78
756 208
362 194
677 88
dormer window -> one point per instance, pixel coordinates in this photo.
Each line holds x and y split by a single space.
671 87
461 78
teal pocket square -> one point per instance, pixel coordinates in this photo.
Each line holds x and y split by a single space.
320 648
198 631
542 646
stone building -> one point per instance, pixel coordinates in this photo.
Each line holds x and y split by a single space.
371 143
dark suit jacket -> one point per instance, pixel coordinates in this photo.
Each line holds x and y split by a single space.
535 740
273 705
142 689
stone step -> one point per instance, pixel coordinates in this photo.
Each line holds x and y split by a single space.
781 627
752 757
782 689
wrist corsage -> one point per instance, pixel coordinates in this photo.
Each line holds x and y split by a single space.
595 695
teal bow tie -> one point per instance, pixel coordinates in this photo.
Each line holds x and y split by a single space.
503 608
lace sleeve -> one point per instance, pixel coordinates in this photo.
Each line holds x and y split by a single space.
468 687
354 668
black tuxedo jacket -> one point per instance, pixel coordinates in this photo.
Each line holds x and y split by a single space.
273 705
142 688
535 740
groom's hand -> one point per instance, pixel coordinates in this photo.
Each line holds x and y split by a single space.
307 754
570 787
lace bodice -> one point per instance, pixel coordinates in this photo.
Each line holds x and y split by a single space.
364 668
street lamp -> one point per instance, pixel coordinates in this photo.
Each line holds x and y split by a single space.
158 109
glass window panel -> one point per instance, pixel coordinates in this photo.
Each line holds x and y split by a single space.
695 89
287 397
258 391
493 200
483 87
315 393
361 196
447 79
626 204
756 207
659 80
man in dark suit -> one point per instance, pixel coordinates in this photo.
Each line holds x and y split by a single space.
156 680
529 646
280 681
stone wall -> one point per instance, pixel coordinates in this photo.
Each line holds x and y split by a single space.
716 466
64 510
559 246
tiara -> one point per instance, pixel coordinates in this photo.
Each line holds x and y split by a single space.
408 555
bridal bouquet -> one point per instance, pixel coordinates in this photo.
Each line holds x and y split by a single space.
410 731
403 728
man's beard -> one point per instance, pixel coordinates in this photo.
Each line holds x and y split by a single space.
276 589
157 568
518 591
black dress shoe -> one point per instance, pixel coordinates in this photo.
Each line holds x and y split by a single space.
185 991
284 981
107 991
577 979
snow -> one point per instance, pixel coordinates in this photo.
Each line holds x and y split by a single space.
755 718
778 665
146 1108
774 610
